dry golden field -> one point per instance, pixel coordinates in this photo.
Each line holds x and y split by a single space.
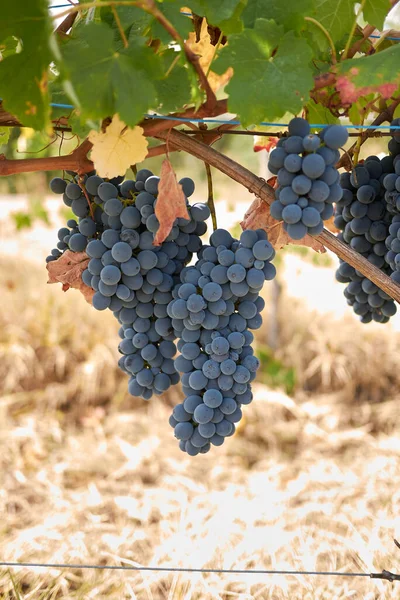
310 481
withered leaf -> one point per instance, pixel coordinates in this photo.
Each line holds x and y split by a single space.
171 202
201 44
68 270
258 217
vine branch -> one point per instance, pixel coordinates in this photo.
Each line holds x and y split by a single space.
366 32
76 161
66 25
260 188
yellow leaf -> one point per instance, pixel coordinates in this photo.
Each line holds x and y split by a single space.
206 51
119 147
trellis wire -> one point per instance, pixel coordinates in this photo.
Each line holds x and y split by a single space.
387 575
235 122
261 133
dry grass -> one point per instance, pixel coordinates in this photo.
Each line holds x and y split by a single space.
91 476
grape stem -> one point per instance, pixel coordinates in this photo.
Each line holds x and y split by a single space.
119 25
265 192
385 115
352 31
326 34
210 199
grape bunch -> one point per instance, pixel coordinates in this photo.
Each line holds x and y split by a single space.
214 307
307 178
391 184
130 276
363 217
76 235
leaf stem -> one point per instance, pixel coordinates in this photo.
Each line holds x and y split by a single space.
119 25
210 199
351 34
327 35
172 65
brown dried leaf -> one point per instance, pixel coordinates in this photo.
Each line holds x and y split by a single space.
68 271
171 202
330 225
206 51
258 217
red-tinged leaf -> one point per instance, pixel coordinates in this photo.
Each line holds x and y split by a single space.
262 142
68 270
258 217
374 74
171 202
349 92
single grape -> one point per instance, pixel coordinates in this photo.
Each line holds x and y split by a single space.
58 185
313 166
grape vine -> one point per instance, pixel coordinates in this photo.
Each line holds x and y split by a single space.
315 62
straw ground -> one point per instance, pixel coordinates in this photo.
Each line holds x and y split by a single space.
90 475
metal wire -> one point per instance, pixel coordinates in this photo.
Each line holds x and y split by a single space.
261 133
386 575
234 122
178 569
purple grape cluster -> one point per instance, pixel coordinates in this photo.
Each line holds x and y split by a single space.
214 307
308 182
129 275
365 218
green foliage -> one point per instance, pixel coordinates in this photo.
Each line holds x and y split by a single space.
173 90
318 113
23 75
289 14
273 372
106 81
4 135
265 87
121 59
35 212
225 14
172 11
375 12
376 73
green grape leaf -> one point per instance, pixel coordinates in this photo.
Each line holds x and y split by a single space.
23 76
226 14
174 90
172 11
289 14
105 82
79 126
9 47
356 111
337 16
132 18
4 135
377 73
319 114
265 87
375 12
